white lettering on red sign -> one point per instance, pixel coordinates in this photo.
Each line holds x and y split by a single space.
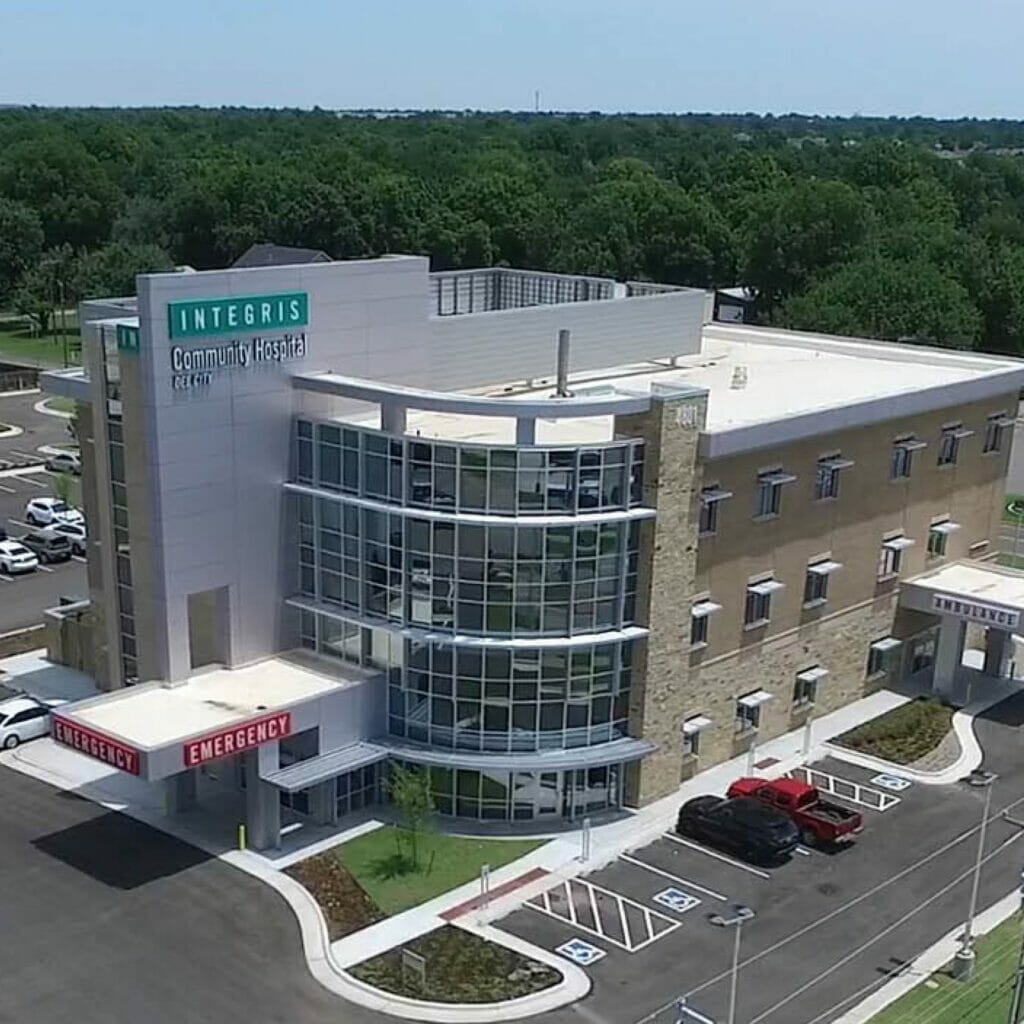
975 611
96 745
236 740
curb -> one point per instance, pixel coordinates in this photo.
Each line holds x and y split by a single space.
41 408
316 944
10 430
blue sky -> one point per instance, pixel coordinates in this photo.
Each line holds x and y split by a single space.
932 57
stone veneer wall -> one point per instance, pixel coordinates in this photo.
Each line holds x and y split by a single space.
667 573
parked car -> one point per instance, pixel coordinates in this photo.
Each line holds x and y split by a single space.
740 825
65 462
75 533
44 511
821 822
21 719
15 558
48 547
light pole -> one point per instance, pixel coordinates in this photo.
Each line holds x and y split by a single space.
736 919
963 962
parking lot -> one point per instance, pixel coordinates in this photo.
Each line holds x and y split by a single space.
829 926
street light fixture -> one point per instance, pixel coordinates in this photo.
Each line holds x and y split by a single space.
964 961
738 916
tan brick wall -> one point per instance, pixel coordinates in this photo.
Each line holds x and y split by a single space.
673 683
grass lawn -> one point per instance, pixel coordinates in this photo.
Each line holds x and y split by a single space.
983 1000
60 404
1013 508
903 734
18 346
460 968
1013 561
382 865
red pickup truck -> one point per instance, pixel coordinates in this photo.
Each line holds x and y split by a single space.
821 823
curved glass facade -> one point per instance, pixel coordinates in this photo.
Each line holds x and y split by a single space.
432 567
469 478
494 580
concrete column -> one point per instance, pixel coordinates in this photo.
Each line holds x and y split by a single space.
526 430
998 651
181 791
949 653
321 803
262 807
392 418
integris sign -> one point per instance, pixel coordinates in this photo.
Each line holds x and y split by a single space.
270 327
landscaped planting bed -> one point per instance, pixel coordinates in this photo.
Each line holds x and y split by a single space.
902 735
342 899
460 968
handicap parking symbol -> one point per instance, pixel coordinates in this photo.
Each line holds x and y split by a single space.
580 952
677 900
895 783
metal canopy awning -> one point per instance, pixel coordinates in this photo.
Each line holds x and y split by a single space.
702 608
812 675
304 774
712 494
946 526
911 444
898 543
616 752
756 699
776 477
696 724
836 462
824 567
765 587
887 643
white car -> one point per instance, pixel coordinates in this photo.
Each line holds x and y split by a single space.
22 718
64 462
15 558
44 511
75 533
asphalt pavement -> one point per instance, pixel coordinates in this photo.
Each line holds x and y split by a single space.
106 921
37 428
829 927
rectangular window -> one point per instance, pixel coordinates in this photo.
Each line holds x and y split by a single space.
709 499
748 710
759 601
805 689
903 456
700 615
692 728
816 583
826 476
949 445
890 560
938 535
880 654
769 493
995 429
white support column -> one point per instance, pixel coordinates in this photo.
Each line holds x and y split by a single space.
181 791
526 430
949 653
262 806
392 418
998 650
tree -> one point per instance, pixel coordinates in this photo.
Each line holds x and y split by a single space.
63 486
896 300
409 789
111 270
21 243
39 288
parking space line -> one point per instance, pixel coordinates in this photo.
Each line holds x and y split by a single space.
674 878
845 789
717 856
28 480
44 568
8 490
78 558
6 579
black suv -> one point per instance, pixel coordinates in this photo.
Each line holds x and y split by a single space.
743 826
54 548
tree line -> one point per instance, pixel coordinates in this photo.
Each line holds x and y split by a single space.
881 227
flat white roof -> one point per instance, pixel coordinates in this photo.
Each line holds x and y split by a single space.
155 715
983 582
756 376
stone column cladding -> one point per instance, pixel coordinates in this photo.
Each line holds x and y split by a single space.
660 693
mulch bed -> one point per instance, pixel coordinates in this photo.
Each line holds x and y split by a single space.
461 968
903 735
344 902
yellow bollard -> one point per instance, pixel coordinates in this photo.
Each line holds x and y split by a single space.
241 837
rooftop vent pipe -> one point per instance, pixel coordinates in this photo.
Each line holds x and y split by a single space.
562 370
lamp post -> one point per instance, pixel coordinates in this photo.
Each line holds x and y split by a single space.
963 962
736 919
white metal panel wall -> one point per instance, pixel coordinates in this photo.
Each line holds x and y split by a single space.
519 344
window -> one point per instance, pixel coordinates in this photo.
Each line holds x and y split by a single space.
880 653
769 492
949 446
891 559
995 431
709 499
805 689
938 535
700 614
903 455
748 710
816 583
692 728
826 476
759 601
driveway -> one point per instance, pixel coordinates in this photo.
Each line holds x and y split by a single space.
38 428
107 921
